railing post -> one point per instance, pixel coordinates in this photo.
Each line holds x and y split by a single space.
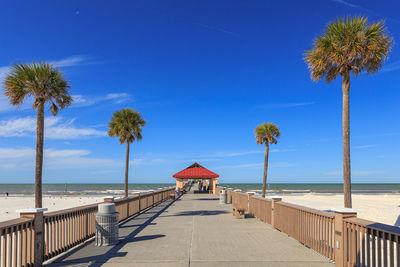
234 201
274 200
229 199
38 233
109 199
340 215
249 195
152 196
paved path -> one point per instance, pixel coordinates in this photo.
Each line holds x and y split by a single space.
195 231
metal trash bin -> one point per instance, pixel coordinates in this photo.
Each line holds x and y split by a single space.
222 196
106 225
177 192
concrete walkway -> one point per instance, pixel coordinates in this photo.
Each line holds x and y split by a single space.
195 231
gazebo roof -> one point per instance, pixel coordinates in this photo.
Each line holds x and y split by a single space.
195 171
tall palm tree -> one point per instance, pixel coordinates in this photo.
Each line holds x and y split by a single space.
127 125
266 133
48 86
348 46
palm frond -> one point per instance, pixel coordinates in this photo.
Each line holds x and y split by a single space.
127 125
267 132
348 45
40 80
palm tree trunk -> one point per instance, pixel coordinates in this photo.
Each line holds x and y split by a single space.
39 155
265 168
126 169
346 140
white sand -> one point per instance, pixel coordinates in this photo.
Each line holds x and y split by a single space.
9 205
383 208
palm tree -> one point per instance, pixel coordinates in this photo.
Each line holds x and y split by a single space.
47 85
127 125
348 46
266 133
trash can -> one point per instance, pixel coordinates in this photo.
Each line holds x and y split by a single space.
177 192
106 225
222 196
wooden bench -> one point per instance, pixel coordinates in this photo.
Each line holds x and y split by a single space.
239 213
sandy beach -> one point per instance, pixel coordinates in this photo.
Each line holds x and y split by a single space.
383 208
9 205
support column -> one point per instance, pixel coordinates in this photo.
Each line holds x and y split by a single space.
274 200
340 215
38 232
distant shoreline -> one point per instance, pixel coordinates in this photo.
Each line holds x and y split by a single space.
92 189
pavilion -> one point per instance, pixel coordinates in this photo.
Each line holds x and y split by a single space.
197 172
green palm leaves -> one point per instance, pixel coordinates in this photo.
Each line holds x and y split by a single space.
40 80
267 132
127 125
348 45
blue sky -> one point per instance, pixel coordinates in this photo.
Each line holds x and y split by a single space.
203 74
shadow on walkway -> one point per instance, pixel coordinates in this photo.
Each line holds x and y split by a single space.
198 213
99 255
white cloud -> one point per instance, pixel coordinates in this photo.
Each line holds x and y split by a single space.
364 146
394 66
68 62
53 159
284 105
84 101
54 128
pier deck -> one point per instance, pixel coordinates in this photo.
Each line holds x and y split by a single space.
194 230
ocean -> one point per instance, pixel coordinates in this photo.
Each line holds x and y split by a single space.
117 189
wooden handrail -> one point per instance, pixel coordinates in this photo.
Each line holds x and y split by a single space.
63 229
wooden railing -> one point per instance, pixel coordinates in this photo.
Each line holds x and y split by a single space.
62 229
261 208
16 242
313 228
339 236
371 244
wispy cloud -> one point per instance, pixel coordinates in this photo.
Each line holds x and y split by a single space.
355 172
346 3
284 105
349 4
257 165
243 153
394 66
218 29
53 158
364 146
55 128
69 61
85 101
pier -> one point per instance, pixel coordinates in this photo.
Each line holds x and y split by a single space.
194 230
156 228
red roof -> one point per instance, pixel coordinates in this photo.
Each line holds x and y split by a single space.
195 171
